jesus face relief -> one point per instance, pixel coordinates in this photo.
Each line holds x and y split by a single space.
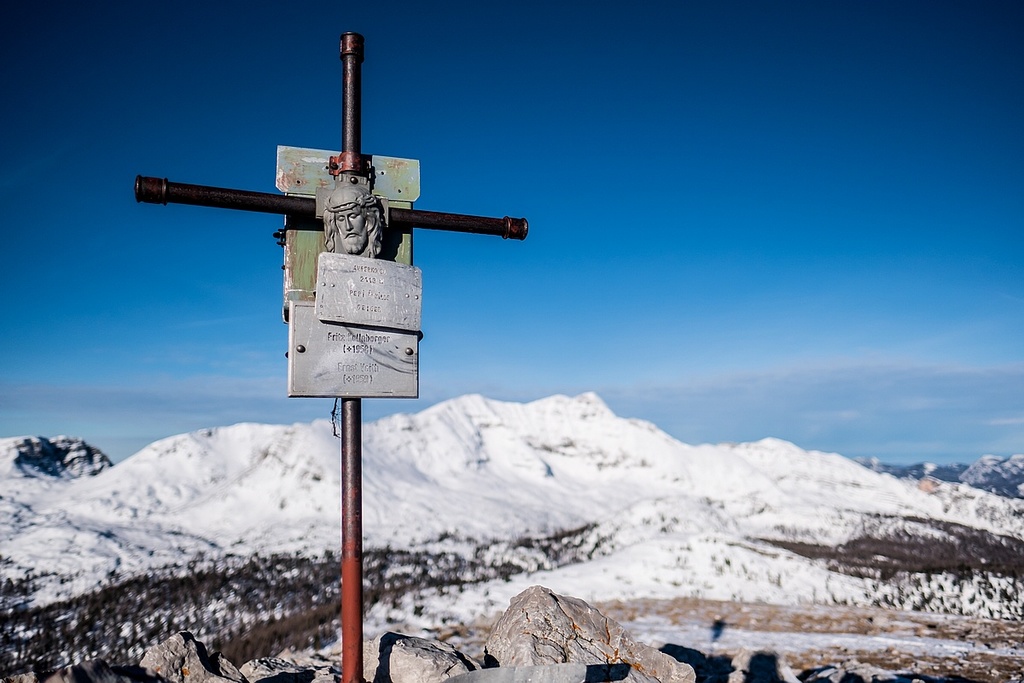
352 222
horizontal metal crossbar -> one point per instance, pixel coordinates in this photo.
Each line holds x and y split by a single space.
162 191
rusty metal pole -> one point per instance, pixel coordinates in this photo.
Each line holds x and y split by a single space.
351 542
350 161
351 103
351 158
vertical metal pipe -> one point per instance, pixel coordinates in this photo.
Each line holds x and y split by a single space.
351 408
351 541
352 59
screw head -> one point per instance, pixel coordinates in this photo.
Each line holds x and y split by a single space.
408 350
300 348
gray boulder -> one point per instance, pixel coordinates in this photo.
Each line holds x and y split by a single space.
95 671
394 658
183 659
280 670
855 671
20 678
542 628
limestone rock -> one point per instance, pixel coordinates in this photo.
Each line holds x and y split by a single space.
394 658
183 659
855 671
541 628
280 670
20 678
98 671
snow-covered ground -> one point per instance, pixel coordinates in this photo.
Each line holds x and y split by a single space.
655 517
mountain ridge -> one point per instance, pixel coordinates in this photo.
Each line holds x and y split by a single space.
992 473
559 489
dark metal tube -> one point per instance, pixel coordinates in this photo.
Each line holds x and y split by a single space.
351 541
163 191
351 100
507 228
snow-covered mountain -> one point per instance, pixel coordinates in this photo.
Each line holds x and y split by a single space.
1003 476
560 491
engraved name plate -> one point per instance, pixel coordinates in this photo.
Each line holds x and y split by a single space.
362 291
336 360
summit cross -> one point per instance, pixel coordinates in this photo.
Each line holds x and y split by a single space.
353 322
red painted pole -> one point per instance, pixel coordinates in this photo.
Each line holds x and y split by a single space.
351 542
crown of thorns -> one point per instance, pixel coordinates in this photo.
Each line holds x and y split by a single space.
361 201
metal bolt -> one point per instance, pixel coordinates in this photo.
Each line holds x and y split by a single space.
408 350
300 348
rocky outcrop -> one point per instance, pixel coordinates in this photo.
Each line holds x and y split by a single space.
855 671
541 627
280 670
394 658
543 637
60 457
98 671
183 659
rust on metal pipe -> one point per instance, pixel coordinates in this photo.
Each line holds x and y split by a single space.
351 541
349 162
162 191
351 105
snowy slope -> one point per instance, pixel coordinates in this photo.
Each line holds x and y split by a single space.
472 475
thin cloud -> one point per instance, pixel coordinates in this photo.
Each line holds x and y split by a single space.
895 412
1006 421
119 419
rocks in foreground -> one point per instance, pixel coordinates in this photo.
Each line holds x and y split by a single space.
542 628
541 637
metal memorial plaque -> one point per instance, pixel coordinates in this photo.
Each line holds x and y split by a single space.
360 291
335 360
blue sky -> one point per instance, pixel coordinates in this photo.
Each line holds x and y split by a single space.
748 219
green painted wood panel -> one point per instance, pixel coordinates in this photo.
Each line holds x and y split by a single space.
300 171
